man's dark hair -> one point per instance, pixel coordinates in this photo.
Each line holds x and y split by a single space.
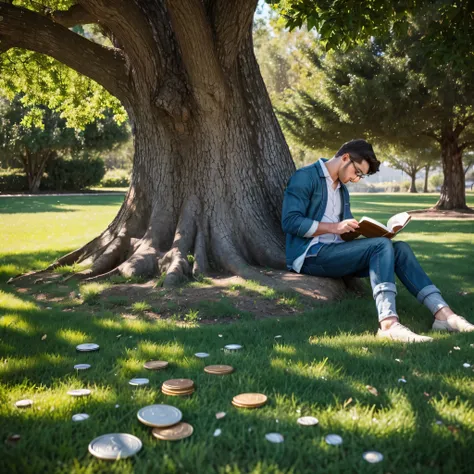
360 150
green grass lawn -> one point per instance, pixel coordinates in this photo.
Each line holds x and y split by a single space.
320 367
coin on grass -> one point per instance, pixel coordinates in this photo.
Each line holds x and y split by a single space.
80 392
138 381
201 355
155 364
82 366
178 384
238 405
233 347
250 399
159 416
219 369
173 433
80 417
88 347
177 394
333 439
373 456
115 446
24 403
307 421
274 437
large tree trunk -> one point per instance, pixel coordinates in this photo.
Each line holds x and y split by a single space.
453 193
210 163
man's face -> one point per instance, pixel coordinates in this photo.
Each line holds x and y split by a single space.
352 171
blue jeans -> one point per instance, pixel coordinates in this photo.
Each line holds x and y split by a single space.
380 259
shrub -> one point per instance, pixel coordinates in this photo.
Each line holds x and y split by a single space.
13 180
116 178
436 181
73 174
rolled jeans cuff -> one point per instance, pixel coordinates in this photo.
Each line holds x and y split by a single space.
431 297
384 295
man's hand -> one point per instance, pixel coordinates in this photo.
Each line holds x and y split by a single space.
349 225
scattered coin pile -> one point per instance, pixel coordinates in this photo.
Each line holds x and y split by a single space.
166 420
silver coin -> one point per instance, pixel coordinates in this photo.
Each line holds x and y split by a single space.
333 439
233 347
115 446
80 392
373 456
274 437
88 347
80 417
139 381
159 416
24 403
201 355
82 366
307 421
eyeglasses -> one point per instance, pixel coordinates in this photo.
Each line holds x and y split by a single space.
359 173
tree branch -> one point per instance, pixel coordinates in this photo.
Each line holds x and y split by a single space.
232 20
465 145
26 29
432 134
76 15
131 28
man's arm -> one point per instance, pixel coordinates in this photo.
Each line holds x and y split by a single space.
349 225
295 205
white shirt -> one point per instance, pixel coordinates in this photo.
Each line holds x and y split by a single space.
332 214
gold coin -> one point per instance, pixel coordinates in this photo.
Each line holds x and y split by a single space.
238 405
173 433
219 369
177 393
250 399
155 364
178 384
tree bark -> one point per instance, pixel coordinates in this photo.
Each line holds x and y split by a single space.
453 193
427 170
413 183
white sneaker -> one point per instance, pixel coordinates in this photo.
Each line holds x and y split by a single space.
454 323
399 332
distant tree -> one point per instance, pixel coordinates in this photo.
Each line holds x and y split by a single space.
411 161
396 90
35 137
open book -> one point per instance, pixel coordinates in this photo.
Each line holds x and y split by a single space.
369 227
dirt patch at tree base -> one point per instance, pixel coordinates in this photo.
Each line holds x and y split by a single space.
433 214
220 298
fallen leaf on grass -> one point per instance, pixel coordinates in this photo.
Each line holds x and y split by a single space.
13 439
372 390
347 402
453 429
44 337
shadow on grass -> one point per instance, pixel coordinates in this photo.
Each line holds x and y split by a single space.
13 264
35 204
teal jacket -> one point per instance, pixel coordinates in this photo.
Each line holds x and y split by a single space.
305 201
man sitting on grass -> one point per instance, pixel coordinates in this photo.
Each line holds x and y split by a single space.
316 211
